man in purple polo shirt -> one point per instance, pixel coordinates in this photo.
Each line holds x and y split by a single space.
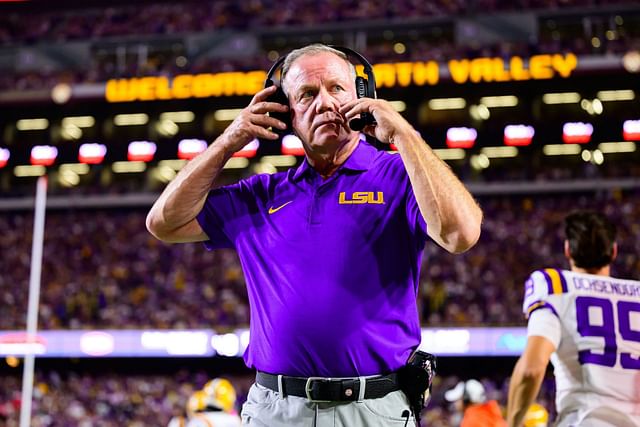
330 250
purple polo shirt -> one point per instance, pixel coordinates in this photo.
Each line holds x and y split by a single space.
332 266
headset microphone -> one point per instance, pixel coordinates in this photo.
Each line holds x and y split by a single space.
365 119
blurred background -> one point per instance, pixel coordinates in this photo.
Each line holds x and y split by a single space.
533 103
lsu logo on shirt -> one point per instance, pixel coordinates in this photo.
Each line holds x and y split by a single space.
361 198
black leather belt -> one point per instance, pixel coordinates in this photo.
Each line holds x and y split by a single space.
319 389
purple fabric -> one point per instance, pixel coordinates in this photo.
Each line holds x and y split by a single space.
332 286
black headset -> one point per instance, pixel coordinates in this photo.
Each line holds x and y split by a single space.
365 88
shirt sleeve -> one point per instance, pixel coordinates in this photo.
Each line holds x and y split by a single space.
414 216
223 213
536 293
395 171
544 323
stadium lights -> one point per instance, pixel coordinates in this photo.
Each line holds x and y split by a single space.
68 178
130 119
631 61
616 95
480 161
79 121
561 98
178 116
617 147
164 174
12 361
92 154
129 167
479 112
226 344
292 145
44 155
518 135
236 163
499 152
32 124
141 151
174 164
29 170
71 132
61 93
226 115
399 106
595 156
450 153
447 103
249 150
189 148
461 137
592 107
631 130
561 149
167 127
77 168
576 132
4 156
262 167
280 161
499 101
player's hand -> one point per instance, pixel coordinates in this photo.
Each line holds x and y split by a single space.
389 122
253 121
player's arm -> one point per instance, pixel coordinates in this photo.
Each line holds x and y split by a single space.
172 217
527 377
453 217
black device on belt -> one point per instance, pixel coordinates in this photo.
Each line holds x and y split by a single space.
319 389
415 379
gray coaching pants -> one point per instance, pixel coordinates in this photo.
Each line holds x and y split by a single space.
265 408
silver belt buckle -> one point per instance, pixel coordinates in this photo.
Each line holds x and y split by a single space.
307 389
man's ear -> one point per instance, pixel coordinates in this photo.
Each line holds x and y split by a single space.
614 253
567 252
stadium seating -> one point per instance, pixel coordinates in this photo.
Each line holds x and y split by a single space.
102 269
116 399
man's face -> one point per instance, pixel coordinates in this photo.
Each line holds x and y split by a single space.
317 85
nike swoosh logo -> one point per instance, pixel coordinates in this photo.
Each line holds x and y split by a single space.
273 210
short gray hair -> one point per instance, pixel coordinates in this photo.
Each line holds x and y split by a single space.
312 49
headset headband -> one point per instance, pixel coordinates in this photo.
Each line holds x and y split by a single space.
368 68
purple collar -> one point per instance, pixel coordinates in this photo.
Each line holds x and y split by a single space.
359 160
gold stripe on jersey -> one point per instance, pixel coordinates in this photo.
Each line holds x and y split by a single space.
534 306
556 281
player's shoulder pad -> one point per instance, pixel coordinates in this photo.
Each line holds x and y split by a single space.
177 422
199 422
540 285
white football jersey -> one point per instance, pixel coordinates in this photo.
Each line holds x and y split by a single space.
594 323
177 422
214 419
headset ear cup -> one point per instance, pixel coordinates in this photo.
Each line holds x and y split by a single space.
280 98
365 119
361 87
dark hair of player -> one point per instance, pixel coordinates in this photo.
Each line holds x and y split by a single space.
591 239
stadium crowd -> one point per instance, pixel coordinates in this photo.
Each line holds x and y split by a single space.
63 398
102 269
115 399
90 23
117 24
101 68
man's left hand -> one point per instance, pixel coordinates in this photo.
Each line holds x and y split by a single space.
389 123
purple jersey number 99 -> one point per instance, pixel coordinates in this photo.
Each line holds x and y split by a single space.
605 327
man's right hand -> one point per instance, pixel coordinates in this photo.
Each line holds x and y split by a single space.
253 122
